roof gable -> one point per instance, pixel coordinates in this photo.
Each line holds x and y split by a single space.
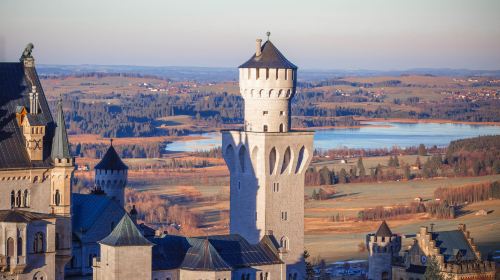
383 230
16 82
126 233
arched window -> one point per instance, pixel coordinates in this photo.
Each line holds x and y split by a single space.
242 158
272 160
38 243
12 199
284 243
26 198
265 128
229 156
282 128
57 198
19 246
10 247
39 276
286 160
300 159
18 198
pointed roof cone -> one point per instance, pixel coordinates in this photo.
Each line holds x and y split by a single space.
383 230
270 57
60 144
125 233
203 256
111 160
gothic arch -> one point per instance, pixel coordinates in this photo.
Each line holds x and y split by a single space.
302 158
272 160
255 160
242 158
229 152
284 243
287 156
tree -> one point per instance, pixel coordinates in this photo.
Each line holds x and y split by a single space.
343 177
323 274
422 151
309 266
325 176
418 163
362 171
407 172
390 163
396 161
433 271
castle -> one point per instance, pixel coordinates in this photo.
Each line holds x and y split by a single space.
36 171
50 232
454 252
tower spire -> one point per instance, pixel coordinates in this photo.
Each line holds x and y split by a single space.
60 145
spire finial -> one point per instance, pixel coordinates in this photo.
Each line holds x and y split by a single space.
111 141
268 33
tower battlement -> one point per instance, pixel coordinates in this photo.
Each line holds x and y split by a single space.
267 161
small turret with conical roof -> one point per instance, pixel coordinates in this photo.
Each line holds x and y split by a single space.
60 146
111 175
382 246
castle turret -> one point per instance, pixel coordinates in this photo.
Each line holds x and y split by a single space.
382 247
267 159
111 175
125 254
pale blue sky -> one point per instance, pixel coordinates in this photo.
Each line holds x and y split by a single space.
350 34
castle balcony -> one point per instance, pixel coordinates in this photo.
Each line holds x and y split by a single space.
15 265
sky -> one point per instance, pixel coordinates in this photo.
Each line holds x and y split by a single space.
314 34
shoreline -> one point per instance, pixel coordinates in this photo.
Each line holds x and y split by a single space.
439 121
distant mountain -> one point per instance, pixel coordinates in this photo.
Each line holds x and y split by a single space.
217 74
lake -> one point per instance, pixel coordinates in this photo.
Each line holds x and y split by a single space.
376 135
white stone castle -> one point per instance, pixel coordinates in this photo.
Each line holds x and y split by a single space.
48 232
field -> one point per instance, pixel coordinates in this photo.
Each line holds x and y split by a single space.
324 238
339 240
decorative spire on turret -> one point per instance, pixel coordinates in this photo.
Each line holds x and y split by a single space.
60 144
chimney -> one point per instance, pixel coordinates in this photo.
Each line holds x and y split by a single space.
133 214
258 47
33 101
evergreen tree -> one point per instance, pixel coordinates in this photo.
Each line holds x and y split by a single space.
343 177
396 161
422 151
418 163
325 176
309 266
390 163
361 167
433 271
407 172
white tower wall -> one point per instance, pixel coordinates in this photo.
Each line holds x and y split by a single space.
267 161
113 183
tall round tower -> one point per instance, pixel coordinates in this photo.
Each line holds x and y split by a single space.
382 247
267 160
267 84
111 175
